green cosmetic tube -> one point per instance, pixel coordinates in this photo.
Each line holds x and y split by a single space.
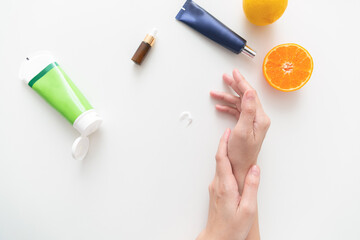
43 74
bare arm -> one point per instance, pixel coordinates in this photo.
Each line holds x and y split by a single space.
246 139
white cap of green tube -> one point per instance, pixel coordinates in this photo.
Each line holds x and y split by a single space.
87 123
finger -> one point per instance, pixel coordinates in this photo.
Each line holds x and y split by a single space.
248 204
241 82
227 97
229 110
231 83
223 166
246 121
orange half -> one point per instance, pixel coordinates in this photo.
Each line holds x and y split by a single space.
288 67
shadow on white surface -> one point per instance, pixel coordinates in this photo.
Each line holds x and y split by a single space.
280 100
96 140
259 32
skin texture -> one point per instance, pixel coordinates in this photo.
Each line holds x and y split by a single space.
231 215
243 146
251 128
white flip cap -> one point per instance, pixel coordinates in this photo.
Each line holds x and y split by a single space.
33 64
86 124
80 148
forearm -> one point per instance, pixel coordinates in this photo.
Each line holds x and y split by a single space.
240 174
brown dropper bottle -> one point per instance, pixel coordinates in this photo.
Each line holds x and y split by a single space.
144 47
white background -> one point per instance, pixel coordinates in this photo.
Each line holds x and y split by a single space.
146 174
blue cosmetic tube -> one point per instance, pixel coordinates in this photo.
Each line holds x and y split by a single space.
199 19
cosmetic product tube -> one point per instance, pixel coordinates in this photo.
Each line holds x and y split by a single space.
44 75
199 19
144 47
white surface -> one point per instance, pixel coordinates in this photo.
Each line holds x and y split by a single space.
146 174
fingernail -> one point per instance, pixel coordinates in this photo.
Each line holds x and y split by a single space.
227 134
255 171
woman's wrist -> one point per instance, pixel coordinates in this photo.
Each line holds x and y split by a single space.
254 233
240 171
204 235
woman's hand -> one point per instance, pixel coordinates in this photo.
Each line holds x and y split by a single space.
231 215
247 137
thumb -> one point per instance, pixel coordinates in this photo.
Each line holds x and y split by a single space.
245 124
248 203
223 166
